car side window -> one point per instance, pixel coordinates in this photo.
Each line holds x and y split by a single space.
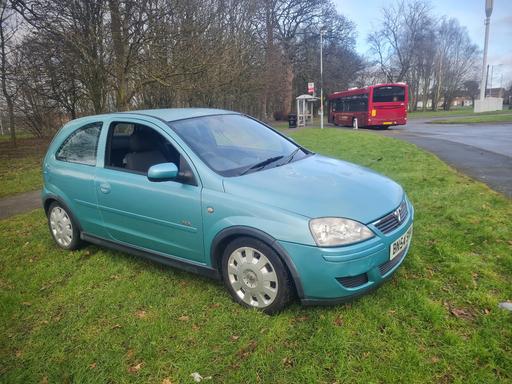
81 145
136 148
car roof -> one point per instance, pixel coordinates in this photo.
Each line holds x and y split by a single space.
173 114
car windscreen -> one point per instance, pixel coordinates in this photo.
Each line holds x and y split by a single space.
233 145
388 94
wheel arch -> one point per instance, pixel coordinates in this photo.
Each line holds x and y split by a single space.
224 237
47 202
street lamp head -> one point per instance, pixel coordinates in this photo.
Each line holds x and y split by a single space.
488 7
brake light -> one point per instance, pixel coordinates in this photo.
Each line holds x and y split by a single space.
374 112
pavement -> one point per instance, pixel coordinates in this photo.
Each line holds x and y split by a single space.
482 151
23 202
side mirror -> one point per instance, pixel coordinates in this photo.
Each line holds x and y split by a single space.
163 172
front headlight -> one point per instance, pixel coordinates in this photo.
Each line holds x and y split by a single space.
331 231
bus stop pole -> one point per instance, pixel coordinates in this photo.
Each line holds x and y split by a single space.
321 79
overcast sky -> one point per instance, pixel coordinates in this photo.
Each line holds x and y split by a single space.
470 13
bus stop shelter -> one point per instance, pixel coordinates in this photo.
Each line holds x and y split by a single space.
305 105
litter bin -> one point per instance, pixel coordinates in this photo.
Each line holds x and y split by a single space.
292 120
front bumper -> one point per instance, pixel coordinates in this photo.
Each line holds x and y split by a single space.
332 275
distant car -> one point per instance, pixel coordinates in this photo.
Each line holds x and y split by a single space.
224 195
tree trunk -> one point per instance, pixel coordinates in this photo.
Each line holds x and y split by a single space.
288 89
10 112
416 96
120 50
426 86
6 94
270 58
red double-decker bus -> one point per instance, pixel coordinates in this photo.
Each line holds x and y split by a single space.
380 105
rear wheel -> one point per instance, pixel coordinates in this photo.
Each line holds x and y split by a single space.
255 275
62 227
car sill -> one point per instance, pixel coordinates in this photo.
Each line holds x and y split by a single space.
170 261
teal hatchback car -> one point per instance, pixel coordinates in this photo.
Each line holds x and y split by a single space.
222 194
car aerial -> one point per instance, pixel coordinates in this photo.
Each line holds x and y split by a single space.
220 193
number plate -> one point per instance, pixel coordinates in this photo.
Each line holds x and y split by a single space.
400 244
387 123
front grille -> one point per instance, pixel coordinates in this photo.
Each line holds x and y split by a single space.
392 220
389 265
353 281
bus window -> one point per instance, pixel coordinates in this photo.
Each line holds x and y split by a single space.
357 103
388 94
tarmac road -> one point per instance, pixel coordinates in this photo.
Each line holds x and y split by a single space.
482 151
23 202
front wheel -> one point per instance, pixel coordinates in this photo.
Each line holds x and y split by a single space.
255 275
62 227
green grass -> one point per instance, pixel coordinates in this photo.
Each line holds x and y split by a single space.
20 167
284 124
499 118
94 315
19 136
454 116
452 113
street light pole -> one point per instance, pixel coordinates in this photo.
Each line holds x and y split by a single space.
322 30
488 12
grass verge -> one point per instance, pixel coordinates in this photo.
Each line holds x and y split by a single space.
20 166
19 136
499 118
101 316
466 111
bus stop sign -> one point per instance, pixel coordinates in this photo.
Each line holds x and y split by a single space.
311 88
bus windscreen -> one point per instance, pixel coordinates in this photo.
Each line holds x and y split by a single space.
388 94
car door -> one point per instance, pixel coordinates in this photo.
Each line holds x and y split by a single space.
163 217
69 174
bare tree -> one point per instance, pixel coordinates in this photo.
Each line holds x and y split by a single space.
433 56
100 55
402 46
8 28
456 58
284 24
471 89
397 42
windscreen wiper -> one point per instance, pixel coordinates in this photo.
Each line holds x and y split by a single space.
261 164
290 157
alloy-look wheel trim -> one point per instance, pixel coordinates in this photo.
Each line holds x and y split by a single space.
61 226
252 276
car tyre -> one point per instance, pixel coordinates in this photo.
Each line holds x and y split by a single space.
63 227
255 275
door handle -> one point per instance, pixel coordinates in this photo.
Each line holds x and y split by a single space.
105 187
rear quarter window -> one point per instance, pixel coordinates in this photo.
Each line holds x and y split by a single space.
81 146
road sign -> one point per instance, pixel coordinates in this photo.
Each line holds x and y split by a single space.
311 88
